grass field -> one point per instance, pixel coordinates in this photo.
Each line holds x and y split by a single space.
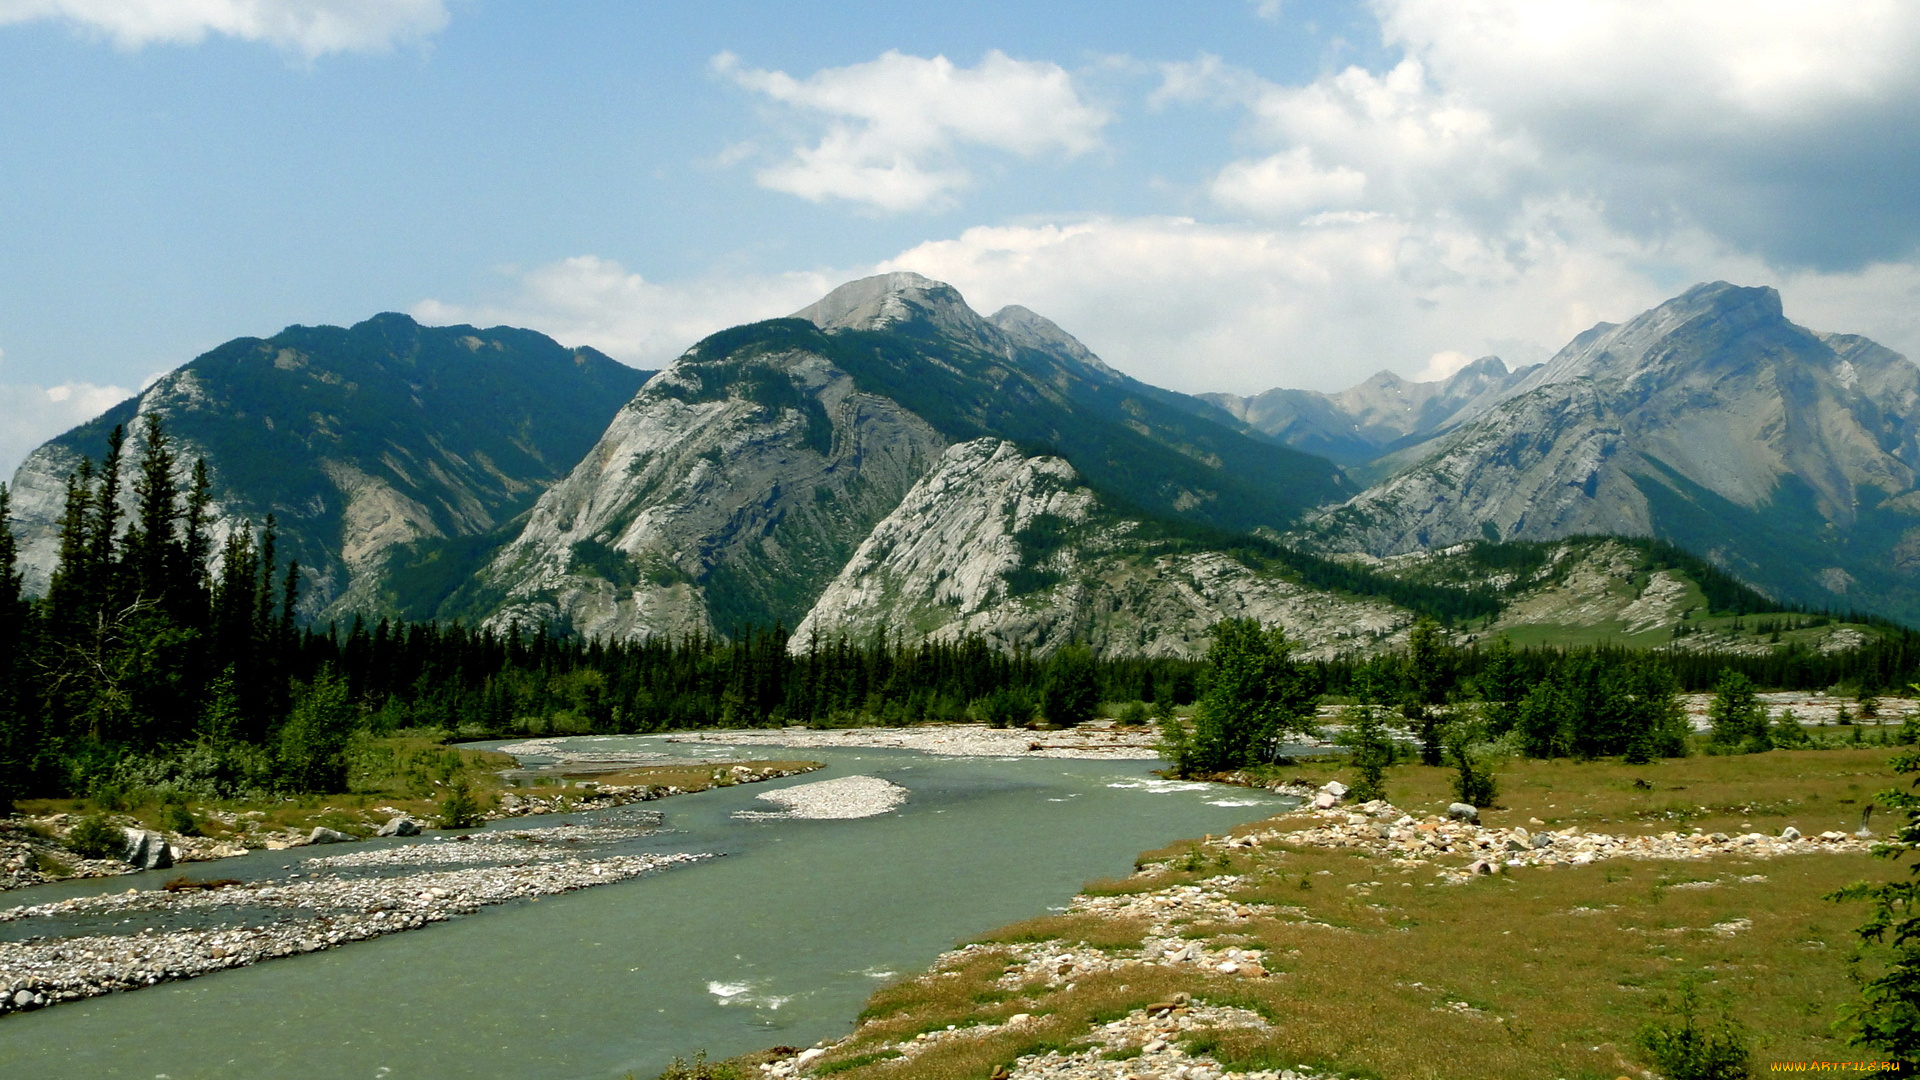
1376 970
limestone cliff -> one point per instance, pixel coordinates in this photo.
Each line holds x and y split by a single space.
1785 455
1017 549
736 485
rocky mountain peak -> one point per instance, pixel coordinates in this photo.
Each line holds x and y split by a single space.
887 300
1714 320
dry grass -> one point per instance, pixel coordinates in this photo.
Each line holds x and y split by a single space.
1379 971
1089 930
1813 790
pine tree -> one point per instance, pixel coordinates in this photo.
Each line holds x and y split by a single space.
1739 721
16 738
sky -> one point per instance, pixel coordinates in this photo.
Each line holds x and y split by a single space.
1221 195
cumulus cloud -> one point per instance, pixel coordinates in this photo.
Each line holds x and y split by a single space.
894 127
588 300
1784 129
30 415
312 28
1324 303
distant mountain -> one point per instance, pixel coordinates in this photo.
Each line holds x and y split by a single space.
363 442
736 485
1787 457
1385 412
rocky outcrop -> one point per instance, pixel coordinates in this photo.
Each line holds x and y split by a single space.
1017 549
724 494
737 484
1787 456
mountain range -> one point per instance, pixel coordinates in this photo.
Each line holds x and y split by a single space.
889 461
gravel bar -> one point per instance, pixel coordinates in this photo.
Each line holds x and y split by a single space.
842 797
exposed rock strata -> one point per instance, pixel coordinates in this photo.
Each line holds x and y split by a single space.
1018 550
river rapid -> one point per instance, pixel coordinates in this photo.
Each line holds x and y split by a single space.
780 940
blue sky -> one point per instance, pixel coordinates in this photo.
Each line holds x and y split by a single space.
1227 195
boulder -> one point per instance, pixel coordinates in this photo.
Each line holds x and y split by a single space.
1789 833
399 826
146 850
323 835
1326 800
1481 866
1335 788
1462 812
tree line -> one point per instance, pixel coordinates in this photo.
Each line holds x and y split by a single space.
166 654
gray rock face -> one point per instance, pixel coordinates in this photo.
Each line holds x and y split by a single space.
323 835
147 850
1708 416
1018 550
1463 812
702 508
399 826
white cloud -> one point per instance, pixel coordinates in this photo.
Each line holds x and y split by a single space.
30 415
1286 184
310 27
1785 129
1325 303
894 126
588 300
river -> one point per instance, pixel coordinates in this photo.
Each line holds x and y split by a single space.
779 941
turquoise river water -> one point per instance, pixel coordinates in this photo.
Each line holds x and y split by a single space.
780 941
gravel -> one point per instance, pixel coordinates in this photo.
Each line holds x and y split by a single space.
842 797
954 740
313 910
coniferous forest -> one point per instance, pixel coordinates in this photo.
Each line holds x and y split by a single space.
166 657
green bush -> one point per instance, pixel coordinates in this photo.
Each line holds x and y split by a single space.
1370 749
700 1069
1682 1046
1133 713
1006 707
175 817
460 810
97 837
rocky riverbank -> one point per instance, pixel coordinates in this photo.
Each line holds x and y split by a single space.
1209 936
244 923
33 852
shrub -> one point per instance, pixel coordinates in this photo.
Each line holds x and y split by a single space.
1473 781
700 1069
460 810
175 817
1371 751
1006 707
97 837
1133 713
1684 1047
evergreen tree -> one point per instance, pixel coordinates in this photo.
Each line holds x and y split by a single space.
16 737
1072 693
1887 1019
1255 696
1739 721
1370 749
1429 678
